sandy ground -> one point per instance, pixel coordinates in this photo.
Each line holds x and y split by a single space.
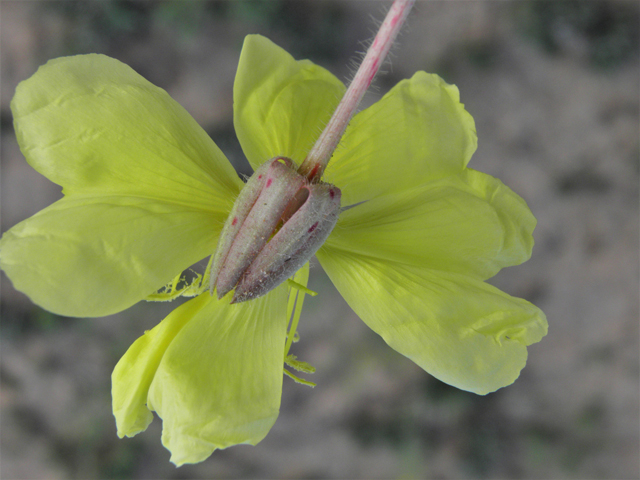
553 87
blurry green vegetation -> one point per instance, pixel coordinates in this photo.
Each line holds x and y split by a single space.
18 322
98 23
609 30
316 27
606 33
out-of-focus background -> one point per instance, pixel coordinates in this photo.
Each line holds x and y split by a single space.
553 87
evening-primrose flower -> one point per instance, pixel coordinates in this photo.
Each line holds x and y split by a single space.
147 193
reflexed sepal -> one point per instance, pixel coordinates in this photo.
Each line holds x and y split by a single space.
294 244
253 218
278 223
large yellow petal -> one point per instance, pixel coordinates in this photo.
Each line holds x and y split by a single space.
459 329
280 105
418 132
93 125
212 371
133 374
468 223
89 256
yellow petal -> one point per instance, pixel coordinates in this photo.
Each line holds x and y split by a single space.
469 223
135 371
418 132
213 373
461 330
280 105
93 125
90 256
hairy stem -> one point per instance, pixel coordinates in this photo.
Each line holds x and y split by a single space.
319 156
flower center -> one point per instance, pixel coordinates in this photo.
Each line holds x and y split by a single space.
276 225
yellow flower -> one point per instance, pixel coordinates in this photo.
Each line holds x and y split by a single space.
147 193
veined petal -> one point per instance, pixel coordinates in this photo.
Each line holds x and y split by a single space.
93 125
219 382
135 371
90 256
418 132
280 105
459 329
468 223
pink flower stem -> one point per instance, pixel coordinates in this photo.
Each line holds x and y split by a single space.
319 156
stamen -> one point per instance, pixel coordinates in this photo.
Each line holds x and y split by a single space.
302 288
171 291
299 365
168 292
294 307
298 379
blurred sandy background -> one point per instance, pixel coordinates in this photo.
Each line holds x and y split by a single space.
553 87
